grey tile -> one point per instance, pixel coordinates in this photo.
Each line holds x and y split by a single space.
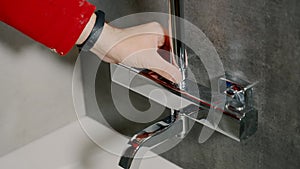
259 40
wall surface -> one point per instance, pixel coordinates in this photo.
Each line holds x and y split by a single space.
35 90
259 40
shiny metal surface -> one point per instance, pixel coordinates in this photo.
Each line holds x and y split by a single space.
236 124
239 118
176 125
178 48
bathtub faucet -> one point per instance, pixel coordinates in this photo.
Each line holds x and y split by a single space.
239 120
173 127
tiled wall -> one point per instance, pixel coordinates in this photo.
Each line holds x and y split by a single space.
259 40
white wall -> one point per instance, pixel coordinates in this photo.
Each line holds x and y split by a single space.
35 90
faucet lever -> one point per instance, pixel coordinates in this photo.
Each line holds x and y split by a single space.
239 93
178 49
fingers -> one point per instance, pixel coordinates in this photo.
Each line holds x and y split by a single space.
150 59
156 29
141 51
165 69
108 60
160 40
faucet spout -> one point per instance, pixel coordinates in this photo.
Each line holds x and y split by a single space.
176 125
149 138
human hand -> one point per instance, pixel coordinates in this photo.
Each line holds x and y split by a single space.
136 47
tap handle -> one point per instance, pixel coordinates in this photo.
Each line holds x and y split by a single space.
239 93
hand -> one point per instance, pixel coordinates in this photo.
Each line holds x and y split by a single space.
136 47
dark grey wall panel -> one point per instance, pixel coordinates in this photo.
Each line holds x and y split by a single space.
259 40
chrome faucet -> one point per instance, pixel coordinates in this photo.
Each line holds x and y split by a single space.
178 49
174 126
239 120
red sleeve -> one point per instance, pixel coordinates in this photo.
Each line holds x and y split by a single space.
54 23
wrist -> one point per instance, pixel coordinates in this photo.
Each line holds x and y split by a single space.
87 30
107 40
95 33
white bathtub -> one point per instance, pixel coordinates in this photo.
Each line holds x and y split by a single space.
70 148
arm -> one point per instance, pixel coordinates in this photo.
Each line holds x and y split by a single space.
59 24
54 23
136 47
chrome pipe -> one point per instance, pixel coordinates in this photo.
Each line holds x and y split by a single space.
178 49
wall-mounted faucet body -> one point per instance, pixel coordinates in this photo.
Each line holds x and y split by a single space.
239 118
156 134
